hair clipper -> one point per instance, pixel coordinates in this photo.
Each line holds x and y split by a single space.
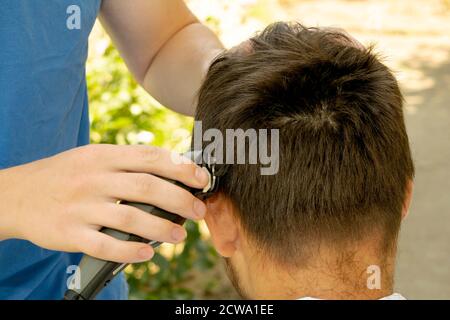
95 274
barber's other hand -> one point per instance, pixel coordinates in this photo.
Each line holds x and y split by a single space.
61 203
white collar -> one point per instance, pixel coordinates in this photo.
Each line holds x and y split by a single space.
395 296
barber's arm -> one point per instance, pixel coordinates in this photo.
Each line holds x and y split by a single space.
61 203
164 45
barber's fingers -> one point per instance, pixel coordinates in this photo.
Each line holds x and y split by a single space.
154 160
134 221
105 247
149 189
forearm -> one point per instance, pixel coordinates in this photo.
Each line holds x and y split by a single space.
177 71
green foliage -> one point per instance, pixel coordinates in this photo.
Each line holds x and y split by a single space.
122 113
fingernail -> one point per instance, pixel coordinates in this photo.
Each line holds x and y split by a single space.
179 234
145 253
199 209
201 175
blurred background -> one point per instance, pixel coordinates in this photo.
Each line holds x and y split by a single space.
413 37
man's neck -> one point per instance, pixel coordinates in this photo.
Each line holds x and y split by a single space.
361 277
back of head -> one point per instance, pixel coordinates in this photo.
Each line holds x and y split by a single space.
344 157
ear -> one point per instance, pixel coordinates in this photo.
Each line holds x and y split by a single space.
408 198
222 224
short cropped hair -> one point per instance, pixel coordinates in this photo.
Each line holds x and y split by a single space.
344 155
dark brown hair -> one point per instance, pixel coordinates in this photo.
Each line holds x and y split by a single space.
344 153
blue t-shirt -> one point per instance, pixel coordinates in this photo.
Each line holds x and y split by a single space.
43 111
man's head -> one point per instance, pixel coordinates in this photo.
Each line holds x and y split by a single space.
345 167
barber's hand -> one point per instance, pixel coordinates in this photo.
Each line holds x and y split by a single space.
62 202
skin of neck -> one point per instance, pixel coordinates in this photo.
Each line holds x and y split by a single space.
329 273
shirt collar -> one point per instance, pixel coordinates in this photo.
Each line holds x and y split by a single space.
394 296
